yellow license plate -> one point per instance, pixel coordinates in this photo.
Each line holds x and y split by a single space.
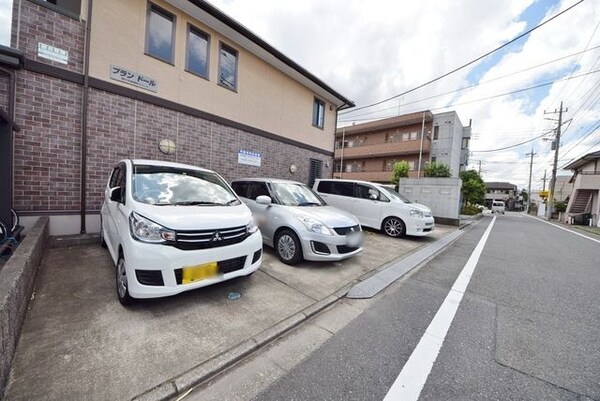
192 274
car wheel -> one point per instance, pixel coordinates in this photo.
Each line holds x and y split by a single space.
394 227
102 240
122 287
288 247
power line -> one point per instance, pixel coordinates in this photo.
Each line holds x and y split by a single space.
511 146
470 62
477 84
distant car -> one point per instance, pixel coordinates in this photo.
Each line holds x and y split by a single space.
171 227
498 207
297 223
377 207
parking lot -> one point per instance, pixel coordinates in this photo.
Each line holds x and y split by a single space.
78 342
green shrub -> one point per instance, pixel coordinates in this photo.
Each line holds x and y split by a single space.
471 210
560 207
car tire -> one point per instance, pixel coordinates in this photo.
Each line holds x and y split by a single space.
121 281
394 227
288 247
102 240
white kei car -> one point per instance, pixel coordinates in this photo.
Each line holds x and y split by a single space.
172 227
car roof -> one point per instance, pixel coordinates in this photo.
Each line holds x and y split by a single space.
148 162
265 179
344 180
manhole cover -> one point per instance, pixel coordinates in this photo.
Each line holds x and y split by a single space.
234 295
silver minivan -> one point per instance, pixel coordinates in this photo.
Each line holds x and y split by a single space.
377 207
297 223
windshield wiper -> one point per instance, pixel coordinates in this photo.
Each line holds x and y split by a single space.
231 202
309 204
197 203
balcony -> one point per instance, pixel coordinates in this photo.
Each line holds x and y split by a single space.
384 149
585 180
374 176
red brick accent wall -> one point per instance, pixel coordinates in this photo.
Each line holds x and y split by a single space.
41 25
47 149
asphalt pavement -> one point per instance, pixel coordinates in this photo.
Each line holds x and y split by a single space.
528 328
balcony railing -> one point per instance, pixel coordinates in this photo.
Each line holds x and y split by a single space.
375 176
384 149
586 180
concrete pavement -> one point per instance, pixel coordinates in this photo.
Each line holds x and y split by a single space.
79 343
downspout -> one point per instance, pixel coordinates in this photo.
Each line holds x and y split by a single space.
5 214
84 116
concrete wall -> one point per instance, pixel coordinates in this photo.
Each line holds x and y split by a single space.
447 148
441 195
17 277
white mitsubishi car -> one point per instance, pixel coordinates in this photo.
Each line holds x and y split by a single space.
171 227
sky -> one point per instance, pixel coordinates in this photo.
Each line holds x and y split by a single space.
370 51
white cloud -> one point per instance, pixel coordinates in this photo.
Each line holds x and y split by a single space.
369 51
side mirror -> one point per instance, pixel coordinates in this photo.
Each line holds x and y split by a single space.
116 194
373 196
263 200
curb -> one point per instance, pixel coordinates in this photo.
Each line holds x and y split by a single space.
181 384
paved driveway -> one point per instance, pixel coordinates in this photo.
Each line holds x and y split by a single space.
78 342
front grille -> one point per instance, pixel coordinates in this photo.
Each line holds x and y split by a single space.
149 277
346 249
224 266
346 230
320 247
425 230
256 256
203 239
427 214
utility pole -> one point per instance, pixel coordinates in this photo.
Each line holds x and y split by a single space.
480 168
544 180
421 147
556 145
343 146
529 186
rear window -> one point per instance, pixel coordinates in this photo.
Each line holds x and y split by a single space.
336 188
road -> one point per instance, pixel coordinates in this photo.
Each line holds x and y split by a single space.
527 327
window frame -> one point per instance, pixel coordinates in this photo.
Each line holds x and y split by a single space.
151 7
230 49
436 132
191 29
315 121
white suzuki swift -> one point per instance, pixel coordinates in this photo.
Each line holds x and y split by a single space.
171 227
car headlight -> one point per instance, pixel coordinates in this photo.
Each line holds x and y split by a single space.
251 227
314 225
416 213
145 230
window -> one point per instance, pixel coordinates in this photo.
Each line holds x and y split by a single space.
465 143
197 52
389 165
412 165
228 67
413 136
70 6
258 189
318 119
405 136
160 33
433 159
436 132
315 171
366 192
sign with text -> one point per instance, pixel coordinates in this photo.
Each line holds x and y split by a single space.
53 53
250 158
131 77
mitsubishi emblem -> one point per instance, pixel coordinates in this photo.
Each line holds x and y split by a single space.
216 237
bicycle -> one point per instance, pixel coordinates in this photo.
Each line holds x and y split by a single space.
8 242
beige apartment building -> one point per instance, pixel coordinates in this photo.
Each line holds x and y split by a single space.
85 84
368 151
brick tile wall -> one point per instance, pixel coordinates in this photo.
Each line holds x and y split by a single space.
40 24
47 149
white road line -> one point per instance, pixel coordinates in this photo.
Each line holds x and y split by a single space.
566 229
412 378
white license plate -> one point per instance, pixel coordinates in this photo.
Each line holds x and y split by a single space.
354 239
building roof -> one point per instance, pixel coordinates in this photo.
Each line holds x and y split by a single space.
582 160
392 122
500 185
230 28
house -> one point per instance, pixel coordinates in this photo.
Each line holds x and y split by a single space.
91 83
584 202
368 151
501 191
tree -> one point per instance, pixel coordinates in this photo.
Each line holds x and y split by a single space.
473 187
525 196
400 170
435 169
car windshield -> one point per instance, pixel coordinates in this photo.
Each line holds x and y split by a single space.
160 185
394 195
294 194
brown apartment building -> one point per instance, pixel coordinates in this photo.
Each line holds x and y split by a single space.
87 83
368 151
